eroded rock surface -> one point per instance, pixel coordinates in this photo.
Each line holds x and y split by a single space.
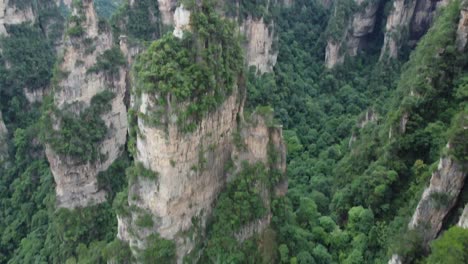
462 31
76 181
439 198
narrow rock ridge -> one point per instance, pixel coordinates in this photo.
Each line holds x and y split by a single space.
361 24
76 181
12 15
439 198
416 16
462 31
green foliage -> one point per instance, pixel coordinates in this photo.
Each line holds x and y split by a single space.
158 250
106 8
450 248
140 21
237 206
144 220
79 135
139 170
75 31
202 68
338 24
109 62
30 58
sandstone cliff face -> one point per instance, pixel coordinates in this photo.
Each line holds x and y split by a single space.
407 23
361 24
260 51
439 198
166 9
191 172
462 31
76 182
12 15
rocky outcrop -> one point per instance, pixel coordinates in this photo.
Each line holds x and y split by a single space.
181 21
462 31
363 24
407 23
166 9
76 181
395 259
10 14
360 25
191 171
439 198
463 222
260 51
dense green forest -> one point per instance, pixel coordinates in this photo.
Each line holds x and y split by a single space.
352 187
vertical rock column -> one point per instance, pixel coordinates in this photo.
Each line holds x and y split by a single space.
76 180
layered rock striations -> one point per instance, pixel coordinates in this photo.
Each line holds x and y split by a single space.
76 180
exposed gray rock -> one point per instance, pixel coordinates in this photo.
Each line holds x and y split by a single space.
407 23
463 222
439 198
76 181
462 31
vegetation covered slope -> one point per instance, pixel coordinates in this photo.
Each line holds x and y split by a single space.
355 173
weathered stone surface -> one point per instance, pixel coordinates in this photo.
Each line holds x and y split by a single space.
76 181
181 21
439 198
414 16
463 222
333 54
361 24
462 31
259 47
166 9
11 15
191 170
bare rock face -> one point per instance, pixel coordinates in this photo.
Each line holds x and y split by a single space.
166 9
361 24
259 47
395 259
462 31
191 171
333 54
12 15
463 222
416 16
181 21
439 198
76 181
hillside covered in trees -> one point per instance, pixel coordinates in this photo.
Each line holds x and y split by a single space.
248 131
